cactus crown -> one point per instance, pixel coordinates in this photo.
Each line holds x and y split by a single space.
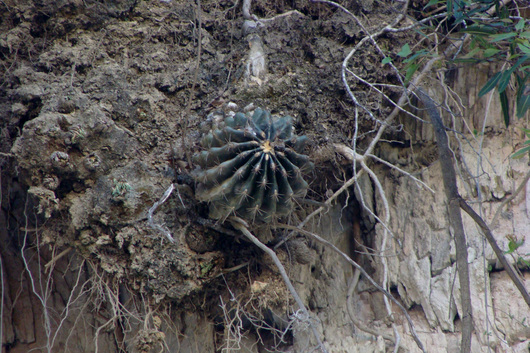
252 167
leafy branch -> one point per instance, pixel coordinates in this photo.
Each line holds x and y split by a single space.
494 37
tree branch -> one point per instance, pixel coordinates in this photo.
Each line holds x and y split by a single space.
455 217
509 199
241 225
500 255
365 274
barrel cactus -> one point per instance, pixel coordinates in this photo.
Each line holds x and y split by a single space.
252 167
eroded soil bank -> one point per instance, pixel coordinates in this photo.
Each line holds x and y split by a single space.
102 105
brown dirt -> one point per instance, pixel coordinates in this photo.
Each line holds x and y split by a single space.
100 111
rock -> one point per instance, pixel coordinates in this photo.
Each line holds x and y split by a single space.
45 199
416 284
301 253
440 251
442 300
512 316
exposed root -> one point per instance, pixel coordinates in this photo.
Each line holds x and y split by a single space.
304 316
365 274
162 229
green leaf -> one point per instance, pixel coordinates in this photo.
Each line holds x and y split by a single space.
513 244
449 6
490 84
410 71
490 52
431 3
386 60
525 35
521 153
523 104
478 30
502 36
472 53
519 62
417 54
525 262
524 48
520 25
480 41
502 12
526 132
471 60
505 107
511 247
504 80
405 51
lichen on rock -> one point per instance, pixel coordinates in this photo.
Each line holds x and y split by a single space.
252 167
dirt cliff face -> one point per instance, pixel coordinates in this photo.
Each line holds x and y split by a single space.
103 104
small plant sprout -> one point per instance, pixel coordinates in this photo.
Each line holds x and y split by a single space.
120 188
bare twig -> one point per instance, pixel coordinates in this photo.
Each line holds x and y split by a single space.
322 208
247 15
153 208
365 274
374 87
500 255
71 300
351 312
233 326
56 258
402 100
237 312
285 14
241 225
351 155
41 290
509 199
246 11
232 269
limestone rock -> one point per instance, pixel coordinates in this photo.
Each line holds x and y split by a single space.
416 285
442 300
512 316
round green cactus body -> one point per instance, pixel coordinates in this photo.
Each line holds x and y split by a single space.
252 168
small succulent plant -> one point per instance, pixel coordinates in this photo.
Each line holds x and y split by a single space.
252 167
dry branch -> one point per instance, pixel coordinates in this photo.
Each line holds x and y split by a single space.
153 208
56 258
365 274
500 255
351 312
241 225
509 199
455 217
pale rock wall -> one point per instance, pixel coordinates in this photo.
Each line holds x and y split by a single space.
420 253
423 267
424 270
